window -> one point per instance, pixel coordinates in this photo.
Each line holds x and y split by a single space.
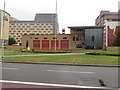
12 28
48 26
79 46
64 37
35 31
54 38
93 38
44 26
36 37
28 26
35 26
31 24
31 29
74 38
45 37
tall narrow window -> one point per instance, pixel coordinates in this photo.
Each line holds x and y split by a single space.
26 43
93 38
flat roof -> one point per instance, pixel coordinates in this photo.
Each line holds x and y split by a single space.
5 12
46 34
85 27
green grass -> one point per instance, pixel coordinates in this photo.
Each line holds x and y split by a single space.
14 52
73 59
102 51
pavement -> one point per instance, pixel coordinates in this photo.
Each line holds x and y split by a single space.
66 64
16 86
57 54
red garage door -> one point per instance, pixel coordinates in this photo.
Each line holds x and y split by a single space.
45 44
64 44
36 44
53 45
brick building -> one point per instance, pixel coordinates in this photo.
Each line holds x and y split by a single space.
47 42
106 15
110 21
80 38
87 37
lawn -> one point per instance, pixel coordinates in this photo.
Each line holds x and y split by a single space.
72 59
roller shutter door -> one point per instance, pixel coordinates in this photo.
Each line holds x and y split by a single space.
45 44
36 44
53 45
64 45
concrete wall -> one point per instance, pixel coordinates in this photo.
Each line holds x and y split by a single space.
97 42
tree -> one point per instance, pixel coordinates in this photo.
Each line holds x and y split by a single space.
12 41
117 41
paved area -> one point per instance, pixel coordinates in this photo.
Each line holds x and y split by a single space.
60 74
16 85
43 54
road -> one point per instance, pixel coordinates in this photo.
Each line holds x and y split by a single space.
60 74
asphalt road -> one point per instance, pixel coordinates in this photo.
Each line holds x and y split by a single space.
60 74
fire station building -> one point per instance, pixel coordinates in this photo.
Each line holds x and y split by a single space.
47 42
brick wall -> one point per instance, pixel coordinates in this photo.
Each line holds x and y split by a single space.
111 37
113 48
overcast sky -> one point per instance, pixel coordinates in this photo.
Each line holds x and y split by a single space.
70 12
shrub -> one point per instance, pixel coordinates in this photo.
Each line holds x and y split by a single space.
101 53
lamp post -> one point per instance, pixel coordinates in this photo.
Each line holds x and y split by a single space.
106 35
55 25
2 30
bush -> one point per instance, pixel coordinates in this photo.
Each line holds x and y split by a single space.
101 53
45 51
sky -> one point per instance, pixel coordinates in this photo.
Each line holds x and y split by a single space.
70 12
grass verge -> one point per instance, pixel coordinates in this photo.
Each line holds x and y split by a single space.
71 59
